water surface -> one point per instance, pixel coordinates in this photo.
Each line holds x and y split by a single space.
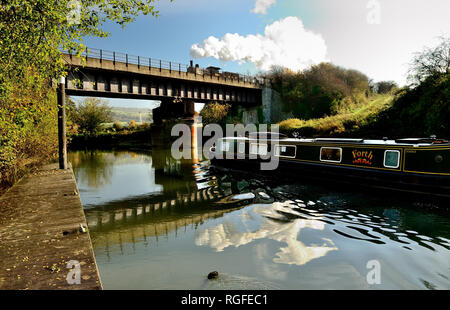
160 223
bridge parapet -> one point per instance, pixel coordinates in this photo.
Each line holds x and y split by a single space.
120 62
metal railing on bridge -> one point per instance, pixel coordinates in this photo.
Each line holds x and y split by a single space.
160 64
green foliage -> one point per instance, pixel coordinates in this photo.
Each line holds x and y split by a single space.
31 36
214 113
71 127
144 126
385 87
431 61
318 91
31 32
90 114
421 111
347 120
117 126
28 127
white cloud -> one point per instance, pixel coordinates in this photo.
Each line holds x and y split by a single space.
261 6
285 43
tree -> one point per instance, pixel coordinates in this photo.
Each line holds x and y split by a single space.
214 113
32 33
424 109
385 87
430 62
90 114
317 91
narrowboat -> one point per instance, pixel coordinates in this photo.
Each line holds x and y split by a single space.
414 165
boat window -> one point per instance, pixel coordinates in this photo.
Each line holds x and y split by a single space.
225 146
331 154
262 149
285 151
258 149
392 159
241 147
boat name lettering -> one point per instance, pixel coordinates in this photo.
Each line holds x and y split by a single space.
362 157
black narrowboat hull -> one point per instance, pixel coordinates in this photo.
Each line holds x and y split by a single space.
351 178
422 169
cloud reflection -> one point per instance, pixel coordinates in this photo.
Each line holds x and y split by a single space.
279 222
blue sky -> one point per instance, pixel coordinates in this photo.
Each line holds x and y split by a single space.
377 37
180 24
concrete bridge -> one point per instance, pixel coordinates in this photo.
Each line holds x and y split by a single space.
100 73
117 75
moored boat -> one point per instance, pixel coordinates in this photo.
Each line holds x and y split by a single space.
416 165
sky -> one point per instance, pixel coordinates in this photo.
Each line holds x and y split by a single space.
376 37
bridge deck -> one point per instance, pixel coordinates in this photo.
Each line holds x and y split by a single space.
176 71
34 250
110 78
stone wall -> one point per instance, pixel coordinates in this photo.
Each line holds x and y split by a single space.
250 116
273 107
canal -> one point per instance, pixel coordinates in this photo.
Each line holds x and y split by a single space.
161 223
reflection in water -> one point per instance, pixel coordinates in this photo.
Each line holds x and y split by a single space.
272 225
161 223
96 168
136 224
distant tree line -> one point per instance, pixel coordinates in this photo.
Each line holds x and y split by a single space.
385 87
89 114
92 116
319 90
420 109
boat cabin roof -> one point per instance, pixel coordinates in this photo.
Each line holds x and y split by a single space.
398 142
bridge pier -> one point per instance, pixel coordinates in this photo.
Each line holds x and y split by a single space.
172 109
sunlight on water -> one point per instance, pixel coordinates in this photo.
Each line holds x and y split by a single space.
159 223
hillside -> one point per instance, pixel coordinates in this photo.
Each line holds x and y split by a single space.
347 121
139 115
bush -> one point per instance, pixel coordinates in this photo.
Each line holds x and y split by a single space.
385 87
420 111
117 126
90 114
28 126
144 126
214 113
347 122
430 62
